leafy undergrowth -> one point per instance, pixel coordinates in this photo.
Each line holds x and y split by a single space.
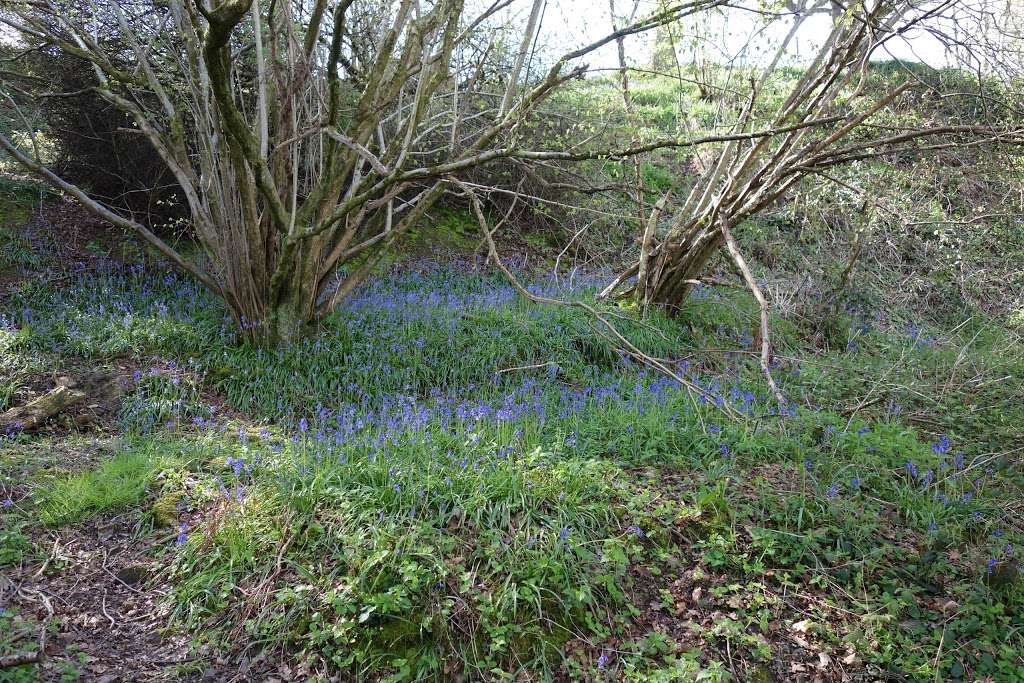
448 483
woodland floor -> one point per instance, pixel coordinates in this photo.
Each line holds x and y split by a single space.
453 485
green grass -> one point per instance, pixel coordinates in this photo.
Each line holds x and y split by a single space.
15 545
15 252
117 483
448 480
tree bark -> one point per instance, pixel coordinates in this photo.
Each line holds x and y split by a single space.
677 268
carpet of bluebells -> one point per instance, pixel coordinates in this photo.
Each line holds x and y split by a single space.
448 481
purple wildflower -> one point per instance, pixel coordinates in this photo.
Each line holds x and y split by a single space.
911 469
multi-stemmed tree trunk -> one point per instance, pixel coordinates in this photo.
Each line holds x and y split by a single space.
266 114
307 136
822 122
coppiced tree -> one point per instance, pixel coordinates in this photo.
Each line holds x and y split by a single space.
828 117
307 136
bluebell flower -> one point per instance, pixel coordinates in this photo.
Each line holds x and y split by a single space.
832 491
911 469
941 447
635 530
182 536
602 661
855 482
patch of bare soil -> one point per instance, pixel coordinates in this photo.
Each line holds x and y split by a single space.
99 594
102 598
75 238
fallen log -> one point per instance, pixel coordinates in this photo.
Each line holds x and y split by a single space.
20 659
26 657
36 412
